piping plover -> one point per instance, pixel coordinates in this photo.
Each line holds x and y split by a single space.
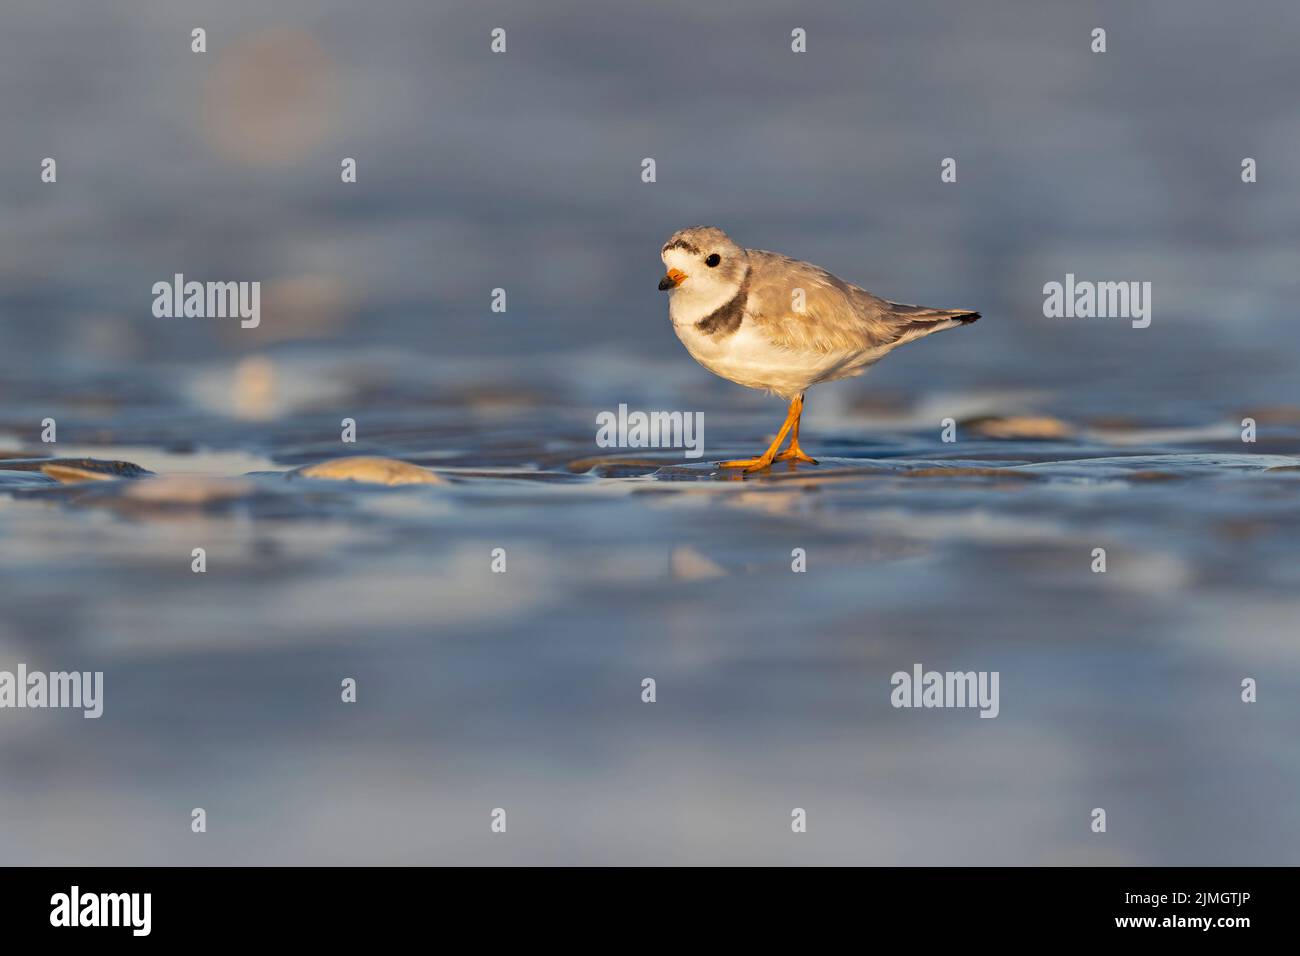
767 321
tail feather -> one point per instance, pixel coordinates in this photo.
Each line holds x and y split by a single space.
915 321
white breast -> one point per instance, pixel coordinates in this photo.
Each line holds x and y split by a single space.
747 358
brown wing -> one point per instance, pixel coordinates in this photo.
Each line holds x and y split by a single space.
836 316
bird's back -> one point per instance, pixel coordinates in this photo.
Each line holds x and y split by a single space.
802 307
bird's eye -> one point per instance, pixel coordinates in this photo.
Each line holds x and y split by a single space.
713 260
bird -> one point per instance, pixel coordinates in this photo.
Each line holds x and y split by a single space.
767 321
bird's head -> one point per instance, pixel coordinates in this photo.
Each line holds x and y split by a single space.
704 265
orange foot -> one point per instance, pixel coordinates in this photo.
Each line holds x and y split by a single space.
748 464
795 453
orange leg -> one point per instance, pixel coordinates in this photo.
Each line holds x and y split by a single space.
765 460
794 452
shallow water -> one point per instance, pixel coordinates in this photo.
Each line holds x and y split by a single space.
522 690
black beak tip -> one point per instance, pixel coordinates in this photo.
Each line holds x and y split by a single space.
665 284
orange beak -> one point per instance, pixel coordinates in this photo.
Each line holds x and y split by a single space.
672 280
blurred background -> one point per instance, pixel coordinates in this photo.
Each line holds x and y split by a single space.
522 171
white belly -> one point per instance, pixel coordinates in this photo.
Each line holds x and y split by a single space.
747 358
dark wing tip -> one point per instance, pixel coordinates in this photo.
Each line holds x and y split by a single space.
968 318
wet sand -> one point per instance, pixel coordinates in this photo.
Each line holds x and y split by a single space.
522 689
